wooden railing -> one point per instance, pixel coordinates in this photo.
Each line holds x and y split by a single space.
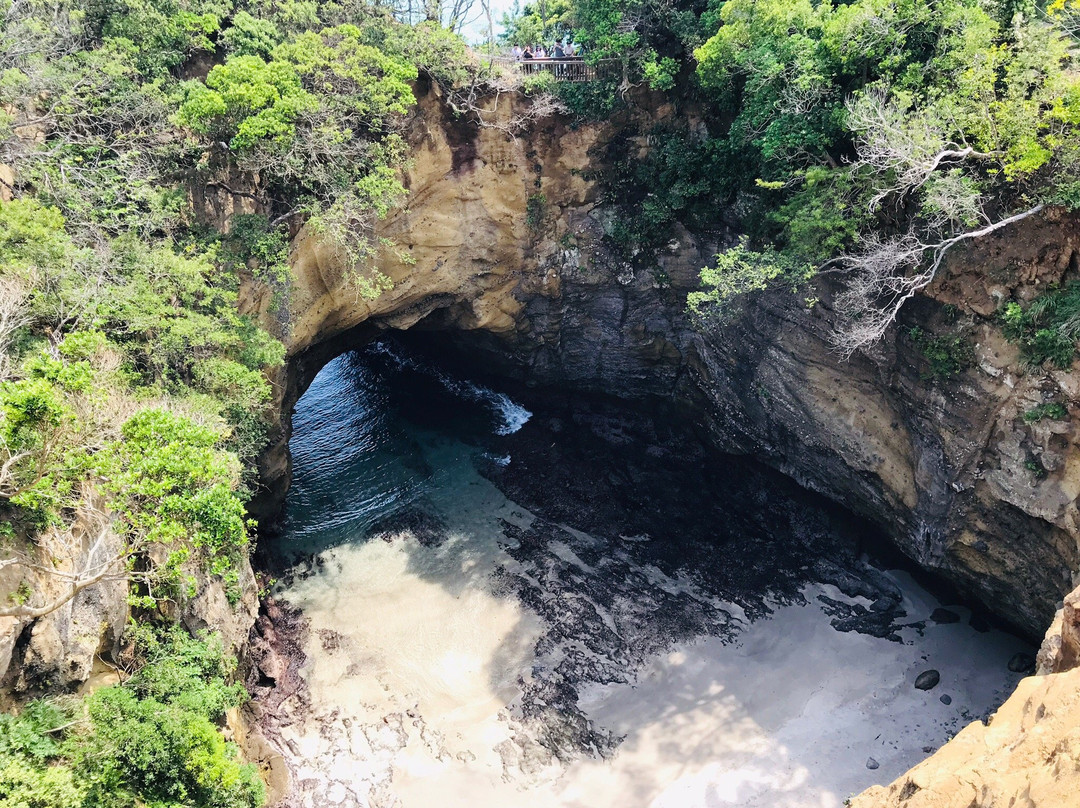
573 69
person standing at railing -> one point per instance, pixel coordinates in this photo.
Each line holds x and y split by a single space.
569 50
517 53
558 53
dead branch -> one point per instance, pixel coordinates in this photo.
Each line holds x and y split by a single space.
77 559
888 273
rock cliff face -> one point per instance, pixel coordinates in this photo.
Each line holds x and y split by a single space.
507 267
467 250
63 649
506 264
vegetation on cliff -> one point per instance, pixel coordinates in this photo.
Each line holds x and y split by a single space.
883 135
151 741
153 153
862 137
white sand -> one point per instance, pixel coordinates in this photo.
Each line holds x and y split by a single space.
414 707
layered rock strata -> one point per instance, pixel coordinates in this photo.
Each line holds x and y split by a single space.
501 253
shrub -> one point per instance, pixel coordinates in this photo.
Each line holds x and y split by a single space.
173 487
1053 410
948 355
1048 328
536 213
149 742
739 271
679 179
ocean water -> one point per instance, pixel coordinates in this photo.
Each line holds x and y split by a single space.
464 651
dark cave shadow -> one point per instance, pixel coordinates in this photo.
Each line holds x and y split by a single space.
648 498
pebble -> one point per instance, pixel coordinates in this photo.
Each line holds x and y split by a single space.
945 699
1021 663
872 764
927 680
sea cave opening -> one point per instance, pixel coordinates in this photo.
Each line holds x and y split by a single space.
503 595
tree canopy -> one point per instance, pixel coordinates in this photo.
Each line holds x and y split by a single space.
871 135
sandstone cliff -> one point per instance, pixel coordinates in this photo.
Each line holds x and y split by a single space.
508 267
506 259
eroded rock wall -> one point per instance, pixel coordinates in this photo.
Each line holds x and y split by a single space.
63 649
507 262
465 247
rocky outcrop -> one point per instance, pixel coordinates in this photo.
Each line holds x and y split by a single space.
1027 755
501 252
60 650
1060 649
950 469
210 609
467 250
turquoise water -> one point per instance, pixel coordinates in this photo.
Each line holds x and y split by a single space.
464 651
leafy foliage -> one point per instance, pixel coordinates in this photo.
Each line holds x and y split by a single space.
104 330
172 486
739 271
537 22
151 741
1048 329
877 135
948 355
677 180
1054 410
109 115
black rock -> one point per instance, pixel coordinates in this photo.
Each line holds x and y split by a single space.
883 604
872 764
941 615
945 699
1022 663
979 623
428 529
927 680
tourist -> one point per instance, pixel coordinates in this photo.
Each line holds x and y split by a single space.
516 53
540 52
527 54
570 51
558 53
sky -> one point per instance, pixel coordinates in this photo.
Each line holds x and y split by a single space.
476 30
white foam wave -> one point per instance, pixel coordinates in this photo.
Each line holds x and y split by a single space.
510 415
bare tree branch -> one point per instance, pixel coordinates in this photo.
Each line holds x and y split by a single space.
904 147
888 273
75 559
13 316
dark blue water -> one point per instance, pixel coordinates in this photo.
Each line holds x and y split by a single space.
363 432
